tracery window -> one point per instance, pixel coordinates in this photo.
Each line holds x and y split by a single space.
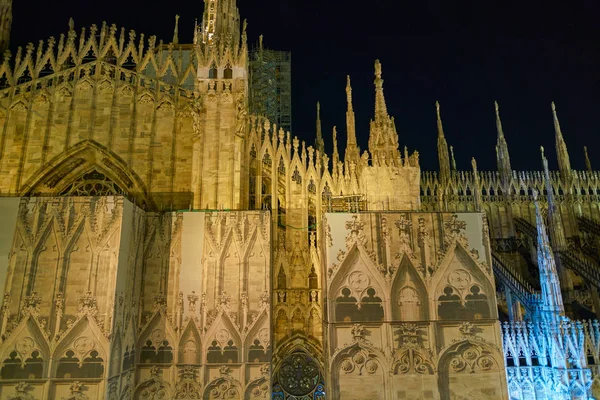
14 368
299 375
92 184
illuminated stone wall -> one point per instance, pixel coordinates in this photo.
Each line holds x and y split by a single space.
106 301
411 308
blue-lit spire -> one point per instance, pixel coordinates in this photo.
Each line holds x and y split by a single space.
552 303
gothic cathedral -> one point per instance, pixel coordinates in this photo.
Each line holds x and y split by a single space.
160 241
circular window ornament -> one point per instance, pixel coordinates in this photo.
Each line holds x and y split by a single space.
299 374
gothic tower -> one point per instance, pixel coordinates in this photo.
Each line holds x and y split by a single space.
220 109
5 24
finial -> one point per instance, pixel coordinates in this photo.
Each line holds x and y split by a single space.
588 163
437 109
260 42
348 92
496 107
318 109
377 69
553 107
453 160
71 24
542 151
244 26
335 135
176 31
474 165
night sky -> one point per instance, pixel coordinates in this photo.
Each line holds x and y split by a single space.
524 54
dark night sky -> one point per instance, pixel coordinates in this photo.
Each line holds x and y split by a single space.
522 53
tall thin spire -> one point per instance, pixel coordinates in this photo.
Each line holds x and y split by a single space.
380 107
336 154
552 302
319 143
352 153
502 156
588 163
477 184
5 24
176 31
383 139
564 164
453 159
557 233
442 146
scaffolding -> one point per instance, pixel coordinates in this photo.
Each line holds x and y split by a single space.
271 85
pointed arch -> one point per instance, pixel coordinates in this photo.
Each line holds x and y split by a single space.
27 344
190 345
462 290
356 283
84 157
471 363
409 297
82 352
156 341
359 365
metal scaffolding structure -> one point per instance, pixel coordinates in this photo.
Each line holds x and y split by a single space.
271 85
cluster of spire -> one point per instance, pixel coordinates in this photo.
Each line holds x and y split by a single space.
383 138
446 158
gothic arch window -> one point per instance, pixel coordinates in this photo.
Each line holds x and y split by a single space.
212 72
152 355
228 72
129 358
92 183
218 354
475 304
69 366
14 368
348 309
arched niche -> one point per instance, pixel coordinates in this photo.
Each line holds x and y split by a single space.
462 290
472 369
409 299
359 367
357 291
25 353
157 343
190 345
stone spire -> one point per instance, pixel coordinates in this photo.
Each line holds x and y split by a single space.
352 151
380 107
442 146
564 164
336 154
502 156
588 163
319 143
383 139
552 302
221 20
557 233
5 24
176 31
477 184
452 159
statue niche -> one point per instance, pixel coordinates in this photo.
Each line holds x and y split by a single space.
409 295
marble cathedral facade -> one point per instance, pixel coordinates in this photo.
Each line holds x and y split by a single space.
159 242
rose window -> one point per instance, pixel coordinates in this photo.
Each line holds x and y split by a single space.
299 374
